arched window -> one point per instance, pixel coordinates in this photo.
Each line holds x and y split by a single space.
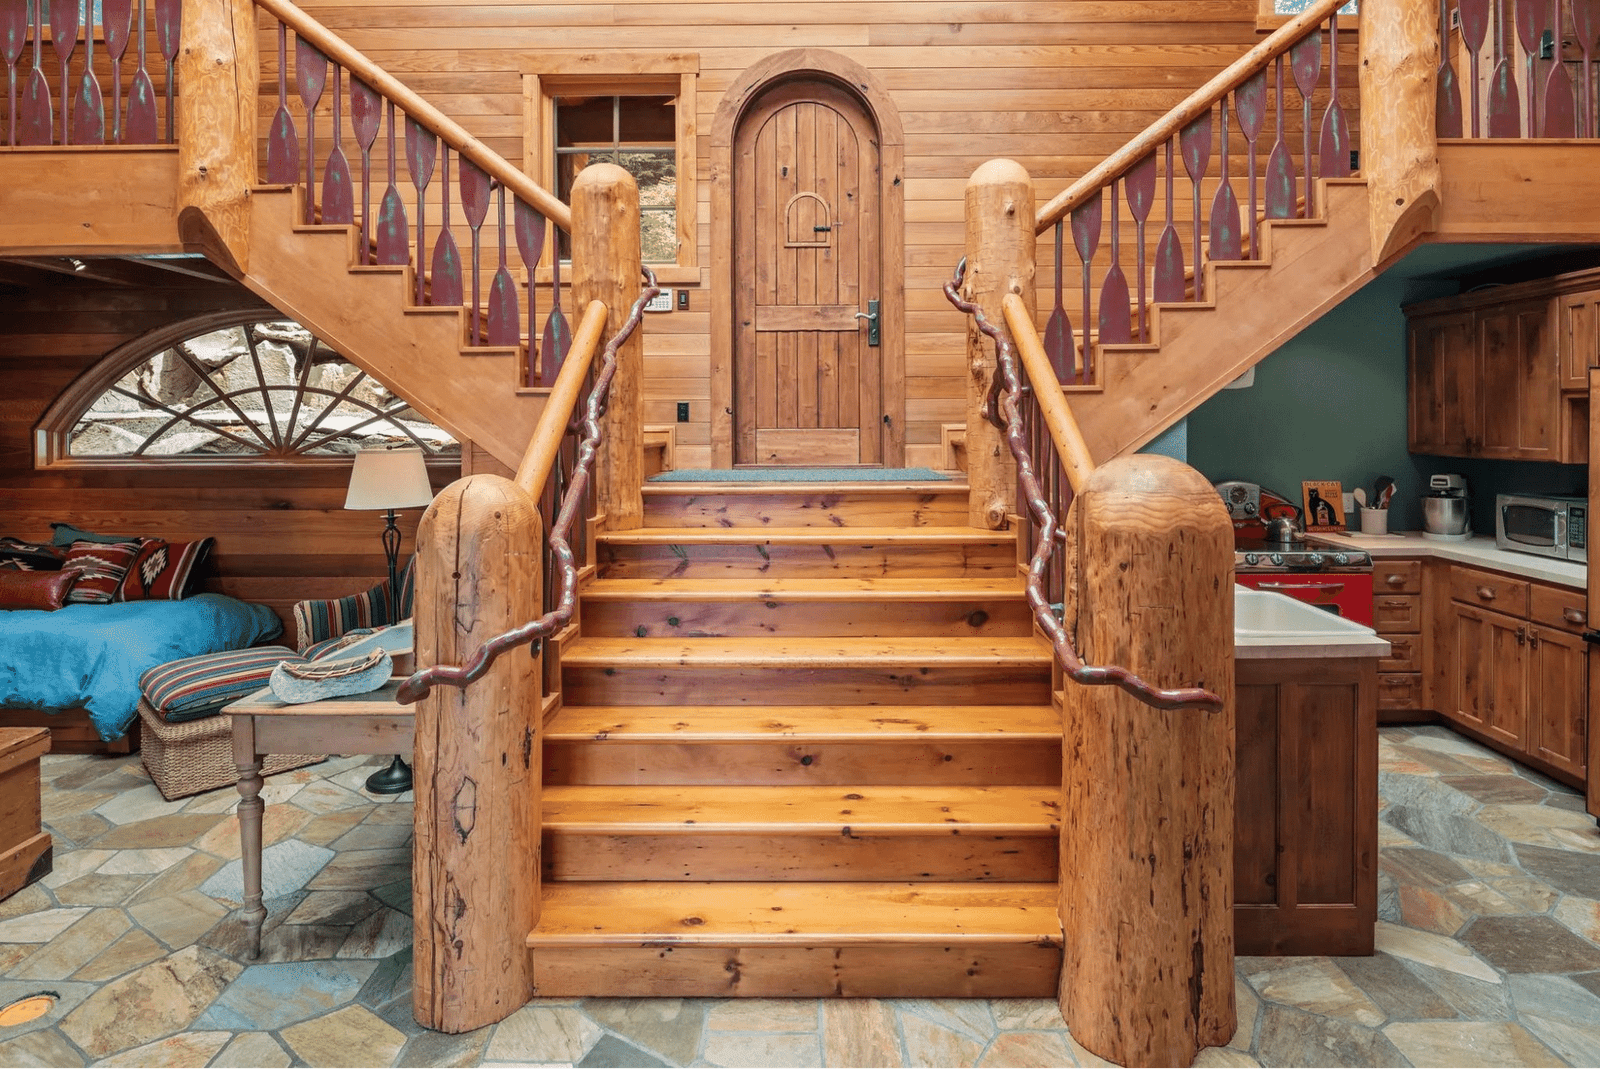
236 385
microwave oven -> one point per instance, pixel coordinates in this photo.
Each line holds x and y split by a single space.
1546 525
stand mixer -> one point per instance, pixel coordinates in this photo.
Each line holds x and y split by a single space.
1446 509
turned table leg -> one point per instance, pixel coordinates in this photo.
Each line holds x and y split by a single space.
250 809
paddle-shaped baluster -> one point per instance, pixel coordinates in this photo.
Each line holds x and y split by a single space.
505 320
529 226
1141 186
117 18
283 146
13 35
1086 240
394 242
1504 108
1116 326
557 340
1169 250
1058 329
1530 28
475 202
1584 25
169 20
1447 121
64 39
1305 61
311 77
365 114
1334 147
1280 166
1474 29
1226 243
446 284
1194 142
1250 103
421 149
338 199
38 116
141 127
1560 118
89 105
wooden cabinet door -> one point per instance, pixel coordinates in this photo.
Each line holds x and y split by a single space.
1578 337
1558 699
1442 411
1518 382
1488 684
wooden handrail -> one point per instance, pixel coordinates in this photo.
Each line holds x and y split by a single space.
545 445
430 117
1058 417
1198 103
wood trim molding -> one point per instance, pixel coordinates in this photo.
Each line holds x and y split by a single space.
611 64
735 103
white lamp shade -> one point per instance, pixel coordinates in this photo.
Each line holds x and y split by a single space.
389 479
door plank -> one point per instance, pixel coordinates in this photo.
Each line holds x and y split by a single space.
808 445
806 317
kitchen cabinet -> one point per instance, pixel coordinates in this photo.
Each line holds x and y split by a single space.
1397 616
1518 381
1441 394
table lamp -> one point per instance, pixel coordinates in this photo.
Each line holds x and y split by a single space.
390 478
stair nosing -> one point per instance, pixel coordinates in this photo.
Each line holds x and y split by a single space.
850 727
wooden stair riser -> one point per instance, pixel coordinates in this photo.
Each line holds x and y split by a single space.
869 617
779 854
746 685
974 762
898 971
815 507
635 560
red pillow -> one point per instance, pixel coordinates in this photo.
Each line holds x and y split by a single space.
35 590
103 564
164 571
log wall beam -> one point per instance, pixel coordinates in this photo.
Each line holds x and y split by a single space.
219 71
1399 147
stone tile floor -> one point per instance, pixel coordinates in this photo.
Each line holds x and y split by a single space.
1489 946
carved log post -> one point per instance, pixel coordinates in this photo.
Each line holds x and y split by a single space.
605 267
1399 147
475 864
219 72
1000 250
1147 795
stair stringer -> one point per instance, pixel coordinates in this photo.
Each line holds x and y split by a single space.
365 313
1307 267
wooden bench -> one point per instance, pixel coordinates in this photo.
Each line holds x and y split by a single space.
25 848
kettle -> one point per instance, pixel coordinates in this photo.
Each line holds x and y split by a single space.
1446 510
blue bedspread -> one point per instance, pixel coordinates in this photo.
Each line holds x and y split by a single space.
91 656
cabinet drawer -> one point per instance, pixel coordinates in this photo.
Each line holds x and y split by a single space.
1400 690
1397 612
1557 607
1397 577
1488 590
1405 653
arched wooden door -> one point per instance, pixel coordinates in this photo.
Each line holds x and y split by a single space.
808 367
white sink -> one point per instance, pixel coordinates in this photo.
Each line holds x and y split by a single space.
1265 622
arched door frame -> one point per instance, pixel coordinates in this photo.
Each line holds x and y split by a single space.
814 63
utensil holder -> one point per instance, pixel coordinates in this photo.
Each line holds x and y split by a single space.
1374 521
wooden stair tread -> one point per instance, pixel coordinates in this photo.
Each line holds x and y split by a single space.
807 489
721 723
806 652
801 535
795 914
841 588
702 809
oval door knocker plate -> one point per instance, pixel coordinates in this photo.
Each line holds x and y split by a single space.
807 227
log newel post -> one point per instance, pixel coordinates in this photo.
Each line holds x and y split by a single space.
218 72
1000 253
475 865
605 267
1148 795
1399 147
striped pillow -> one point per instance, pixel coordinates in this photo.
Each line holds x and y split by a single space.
320 620
104 565
199 686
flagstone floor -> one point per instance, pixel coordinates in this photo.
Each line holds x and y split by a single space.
1489 946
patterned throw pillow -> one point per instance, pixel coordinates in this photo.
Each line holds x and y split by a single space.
165 571
30 556
199 686
104 566
35 590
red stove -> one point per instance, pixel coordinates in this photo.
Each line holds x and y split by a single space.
1337 580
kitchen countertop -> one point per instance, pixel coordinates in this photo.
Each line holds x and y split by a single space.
1480 551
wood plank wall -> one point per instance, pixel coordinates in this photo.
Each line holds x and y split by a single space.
282 532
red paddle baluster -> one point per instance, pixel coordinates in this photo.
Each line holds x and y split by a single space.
1086 240
38 116
1584 25
1504 107
1448 122
169 20
475 202
1530 28
311 76
1194 141
1305 61
1560 117
13 35
1058 330
1169 250
64 39
504 317
1116 327
89 106
117 18
1226 240
283 146
1474 29
338 199
1335 146
557 341
1250 100
141 129
394 243
446 285
421 148
1141 186
365 114
529 226
1280 166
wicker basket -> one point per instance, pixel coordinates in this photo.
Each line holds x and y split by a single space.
197 755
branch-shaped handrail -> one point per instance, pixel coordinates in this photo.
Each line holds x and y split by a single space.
545 445
1198 103
1079 464
428 116
421 683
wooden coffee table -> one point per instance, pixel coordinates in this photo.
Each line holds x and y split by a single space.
371 723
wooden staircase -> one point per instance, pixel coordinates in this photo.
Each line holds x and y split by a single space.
807 749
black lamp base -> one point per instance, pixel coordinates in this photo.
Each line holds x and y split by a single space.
396 779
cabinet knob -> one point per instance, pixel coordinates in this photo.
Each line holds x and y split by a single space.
1533 638
1522 635
1395 580
1486 593
1574 616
